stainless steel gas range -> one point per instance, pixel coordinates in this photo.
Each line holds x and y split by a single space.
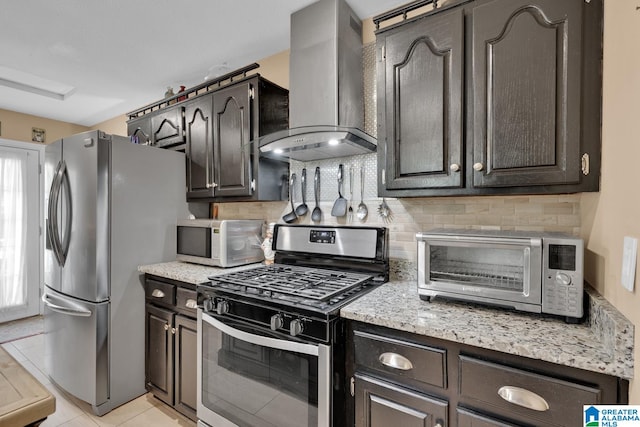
270 338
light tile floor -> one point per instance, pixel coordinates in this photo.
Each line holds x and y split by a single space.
72 412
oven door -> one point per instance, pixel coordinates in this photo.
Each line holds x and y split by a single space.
248 376
499 270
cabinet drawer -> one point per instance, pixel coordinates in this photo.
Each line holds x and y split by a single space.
523 395
401 360
160 292
186 300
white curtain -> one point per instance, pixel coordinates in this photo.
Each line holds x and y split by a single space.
13 229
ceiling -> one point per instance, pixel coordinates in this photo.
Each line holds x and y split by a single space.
106 58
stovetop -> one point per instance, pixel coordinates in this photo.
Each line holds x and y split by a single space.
280 281
318 270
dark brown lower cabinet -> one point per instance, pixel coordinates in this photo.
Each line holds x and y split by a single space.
404 379
382 404
171 344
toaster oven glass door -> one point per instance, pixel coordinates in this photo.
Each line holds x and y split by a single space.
504 269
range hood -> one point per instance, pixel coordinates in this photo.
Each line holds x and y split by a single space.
326 94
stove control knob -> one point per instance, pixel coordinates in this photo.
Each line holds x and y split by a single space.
277 322
208 305
222 307
296 327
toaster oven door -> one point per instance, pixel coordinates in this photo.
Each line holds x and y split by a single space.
504 271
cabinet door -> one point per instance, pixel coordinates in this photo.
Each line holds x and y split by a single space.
421 75
139 130
166 127
232 135
186 341
526 89
381 404
159 352
198 115
471 419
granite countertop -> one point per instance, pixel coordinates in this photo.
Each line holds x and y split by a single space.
187 272
604 343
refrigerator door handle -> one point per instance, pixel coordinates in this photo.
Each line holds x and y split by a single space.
54 194
64 178
72 311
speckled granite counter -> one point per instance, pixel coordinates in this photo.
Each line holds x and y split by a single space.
604 344
189 273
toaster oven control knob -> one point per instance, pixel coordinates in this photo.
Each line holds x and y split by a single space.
563 279
277 322
295 327
222 307
208 305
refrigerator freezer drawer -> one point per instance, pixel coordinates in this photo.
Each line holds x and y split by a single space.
77 346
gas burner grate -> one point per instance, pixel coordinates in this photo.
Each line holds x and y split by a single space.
283 282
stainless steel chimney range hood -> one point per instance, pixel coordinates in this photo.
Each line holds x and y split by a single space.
326 94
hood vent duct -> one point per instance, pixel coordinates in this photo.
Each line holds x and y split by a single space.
326 94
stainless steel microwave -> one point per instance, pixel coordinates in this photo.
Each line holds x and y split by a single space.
220 243
534 272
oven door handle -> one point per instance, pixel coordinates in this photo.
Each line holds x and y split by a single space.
261 340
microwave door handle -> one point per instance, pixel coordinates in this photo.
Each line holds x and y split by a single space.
260 340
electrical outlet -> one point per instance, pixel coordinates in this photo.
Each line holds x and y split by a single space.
629 254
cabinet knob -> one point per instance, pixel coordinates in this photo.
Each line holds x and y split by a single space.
166 326
478 166
157 293
454 167
173 331
191 303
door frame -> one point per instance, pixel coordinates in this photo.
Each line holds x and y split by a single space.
35 305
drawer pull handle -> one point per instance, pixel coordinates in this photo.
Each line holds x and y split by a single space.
522 397
191 303
396 361
157 293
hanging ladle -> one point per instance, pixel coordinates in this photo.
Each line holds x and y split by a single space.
291 216
303 208
362 211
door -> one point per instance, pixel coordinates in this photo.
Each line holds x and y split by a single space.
78 216
77 345
186 344
199 150
526 91
381 404
232 137
420 70
251 376
19 231
166 127
159 352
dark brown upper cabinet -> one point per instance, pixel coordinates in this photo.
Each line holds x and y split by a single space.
491 97
167 127
222 131
422 106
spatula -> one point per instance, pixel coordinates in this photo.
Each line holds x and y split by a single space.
340 205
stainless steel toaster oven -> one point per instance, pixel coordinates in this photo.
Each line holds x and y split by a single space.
534 272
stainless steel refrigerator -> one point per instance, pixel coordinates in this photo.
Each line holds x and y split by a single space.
110 206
